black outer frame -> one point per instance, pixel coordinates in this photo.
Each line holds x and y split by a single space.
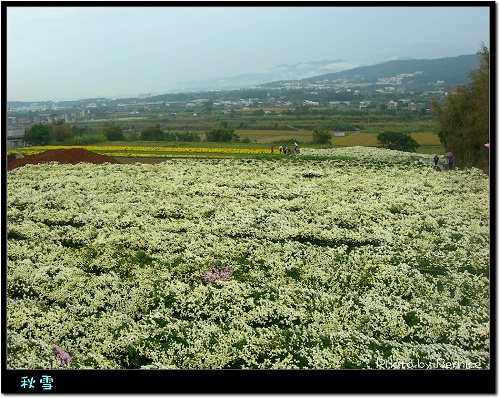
346 381
138 381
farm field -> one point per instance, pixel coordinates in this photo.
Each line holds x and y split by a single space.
260 143
248 263
305 137
370 139
274 136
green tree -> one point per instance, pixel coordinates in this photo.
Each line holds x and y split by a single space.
61 131
38 134
464 118
223 133
187 136
113 131
302 110
208 106
153 132
169 135
321 136
80 130
397 141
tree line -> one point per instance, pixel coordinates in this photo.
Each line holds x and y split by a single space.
464 119
60 132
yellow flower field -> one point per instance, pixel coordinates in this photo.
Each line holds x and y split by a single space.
141 150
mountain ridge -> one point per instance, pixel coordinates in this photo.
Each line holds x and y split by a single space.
458 67
453 70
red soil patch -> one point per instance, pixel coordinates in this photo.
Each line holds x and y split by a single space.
63 156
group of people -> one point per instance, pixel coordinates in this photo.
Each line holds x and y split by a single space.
285 150
447 162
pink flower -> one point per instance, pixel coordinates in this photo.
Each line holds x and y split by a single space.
487 145
218 275
65 358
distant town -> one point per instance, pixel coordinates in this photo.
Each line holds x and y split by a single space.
386 92
342 101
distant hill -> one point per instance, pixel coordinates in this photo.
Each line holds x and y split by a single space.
279 72
452 70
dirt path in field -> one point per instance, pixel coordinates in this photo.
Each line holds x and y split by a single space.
416 158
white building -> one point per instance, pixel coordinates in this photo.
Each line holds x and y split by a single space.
310 103
412 106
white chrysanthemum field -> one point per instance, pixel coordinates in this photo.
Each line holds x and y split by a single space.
248 263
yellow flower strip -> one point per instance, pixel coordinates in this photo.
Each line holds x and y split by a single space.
144 149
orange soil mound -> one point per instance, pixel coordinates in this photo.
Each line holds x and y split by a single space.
63 156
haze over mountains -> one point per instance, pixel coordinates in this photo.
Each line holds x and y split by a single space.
438 63
316 68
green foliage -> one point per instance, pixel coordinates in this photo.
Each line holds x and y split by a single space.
208 107
38 134
186 136
223 133
397 141
113 131
321 136
80 130
60 132
88 139
153 133
464 119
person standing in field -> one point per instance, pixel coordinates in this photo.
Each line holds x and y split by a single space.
436 161
451 161
445 161
272 149
280 148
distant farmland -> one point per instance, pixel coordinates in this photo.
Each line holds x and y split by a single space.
270 136
305 137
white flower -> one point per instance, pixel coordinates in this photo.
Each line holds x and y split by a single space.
335 263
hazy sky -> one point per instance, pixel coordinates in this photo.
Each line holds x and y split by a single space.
83 52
